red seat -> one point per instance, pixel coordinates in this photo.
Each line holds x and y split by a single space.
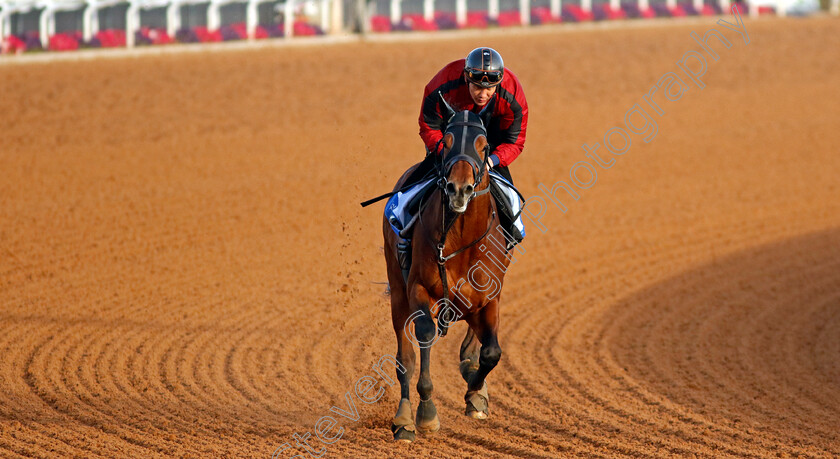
708 10
304 29
542 15
66 41
509 18
13 44
111 38
416 21
579 14
677 11
477 19
261 33
380 23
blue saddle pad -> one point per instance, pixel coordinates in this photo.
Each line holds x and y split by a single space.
401 208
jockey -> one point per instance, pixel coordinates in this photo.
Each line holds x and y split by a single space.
470 84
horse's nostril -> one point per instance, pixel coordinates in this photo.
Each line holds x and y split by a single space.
450 188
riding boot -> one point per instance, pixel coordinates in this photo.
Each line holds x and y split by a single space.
507 222
506 219
404 257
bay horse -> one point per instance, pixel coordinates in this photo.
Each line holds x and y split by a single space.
457 273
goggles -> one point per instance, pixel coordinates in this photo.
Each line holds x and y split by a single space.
484 78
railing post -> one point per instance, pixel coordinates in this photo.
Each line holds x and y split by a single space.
173 18
213 16
5 24
337 17
493 9
90 21
396 11
324 13
130 25
288 18
556 8
429 10
44 26
461 12
251 19
525 12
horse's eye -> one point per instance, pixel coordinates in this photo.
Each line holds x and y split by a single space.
450 188
468 189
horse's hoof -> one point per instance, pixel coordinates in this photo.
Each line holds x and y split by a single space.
402 427
478 404
427 420
477 409
429 428
401 433
475 414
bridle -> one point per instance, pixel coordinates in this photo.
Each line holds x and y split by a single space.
466 152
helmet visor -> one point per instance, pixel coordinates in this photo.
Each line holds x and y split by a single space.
484 78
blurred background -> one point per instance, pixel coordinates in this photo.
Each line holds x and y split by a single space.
61 25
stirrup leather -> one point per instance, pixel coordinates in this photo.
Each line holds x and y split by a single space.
404 256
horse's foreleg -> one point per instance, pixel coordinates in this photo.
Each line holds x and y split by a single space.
402 425
427 419
485 325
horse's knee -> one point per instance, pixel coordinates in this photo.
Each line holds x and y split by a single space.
490 355
425 329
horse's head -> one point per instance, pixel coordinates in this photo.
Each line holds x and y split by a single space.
465 155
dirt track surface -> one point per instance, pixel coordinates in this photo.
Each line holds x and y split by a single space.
185 270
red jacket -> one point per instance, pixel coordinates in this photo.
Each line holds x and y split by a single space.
506 130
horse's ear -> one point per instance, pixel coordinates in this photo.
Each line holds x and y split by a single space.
480 144
487 112
446 110
448 140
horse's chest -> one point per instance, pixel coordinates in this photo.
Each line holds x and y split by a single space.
468 290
